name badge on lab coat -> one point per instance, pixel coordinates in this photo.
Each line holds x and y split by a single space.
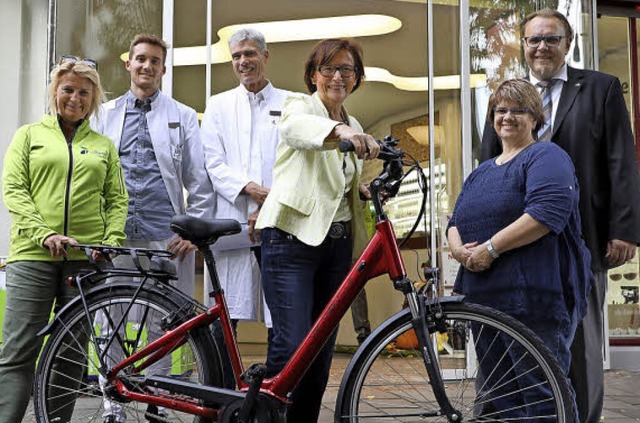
275 116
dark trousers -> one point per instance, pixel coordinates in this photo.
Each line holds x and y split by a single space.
299 280
360 316
509 385
225 360
587 374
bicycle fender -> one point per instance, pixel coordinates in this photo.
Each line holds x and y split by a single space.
383 326
50 327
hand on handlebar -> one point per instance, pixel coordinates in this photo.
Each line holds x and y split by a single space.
57 243
365 146
365 194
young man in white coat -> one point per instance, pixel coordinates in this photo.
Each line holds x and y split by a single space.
158 140
240 135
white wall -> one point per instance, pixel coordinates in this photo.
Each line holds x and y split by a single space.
23 69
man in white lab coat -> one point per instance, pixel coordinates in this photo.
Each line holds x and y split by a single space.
240 135
158 140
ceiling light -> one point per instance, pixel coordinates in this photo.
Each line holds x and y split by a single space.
287 31
421 83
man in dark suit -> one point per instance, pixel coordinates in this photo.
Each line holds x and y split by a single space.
590 121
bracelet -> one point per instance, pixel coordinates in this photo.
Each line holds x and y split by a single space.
491 250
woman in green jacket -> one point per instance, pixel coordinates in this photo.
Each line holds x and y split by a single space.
62 184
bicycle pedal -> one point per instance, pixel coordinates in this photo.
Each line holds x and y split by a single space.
254 374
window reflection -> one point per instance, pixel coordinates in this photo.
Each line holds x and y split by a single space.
102 30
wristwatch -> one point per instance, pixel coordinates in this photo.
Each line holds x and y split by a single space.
491 250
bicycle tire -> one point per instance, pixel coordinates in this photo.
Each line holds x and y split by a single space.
384 383
65 391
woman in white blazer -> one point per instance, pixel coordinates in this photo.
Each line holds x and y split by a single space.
312 222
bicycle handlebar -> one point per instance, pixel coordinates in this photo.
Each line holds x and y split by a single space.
387 183
387 148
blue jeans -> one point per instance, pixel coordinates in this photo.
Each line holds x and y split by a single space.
298 281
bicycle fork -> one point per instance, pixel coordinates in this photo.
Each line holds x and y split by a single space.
419 322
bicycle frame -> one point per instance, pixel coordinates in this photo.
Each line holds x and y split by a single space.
380 256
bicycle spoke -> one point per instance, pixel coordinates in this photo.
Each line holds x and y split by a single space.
490 371
64 391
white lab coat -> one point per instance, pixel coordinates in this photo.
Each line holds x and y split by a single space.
175 136
232 162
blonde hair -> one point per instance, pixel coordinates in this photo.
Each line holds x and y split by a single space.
83 70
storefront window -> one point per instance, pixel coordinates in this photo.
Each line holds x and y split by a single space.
623 304
102 30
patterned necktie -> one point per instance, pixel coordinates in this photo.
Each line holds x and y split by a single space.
544 133
144 105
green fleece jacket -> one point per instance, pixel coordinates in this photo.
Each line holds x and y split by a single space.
52 187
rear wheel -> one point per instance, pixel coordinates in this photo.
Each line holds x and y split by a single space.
494 369
68 387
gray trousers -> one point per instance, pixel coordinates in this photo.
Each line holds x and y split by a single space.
360 315
185 271
32 289
586 373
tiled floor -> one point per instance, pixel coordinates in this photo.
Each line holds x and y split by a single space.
621 404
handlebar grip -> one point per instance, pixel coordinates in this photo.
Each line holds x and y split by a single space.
345 146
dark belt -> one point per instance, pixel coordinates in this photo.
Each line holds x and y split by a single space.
339 230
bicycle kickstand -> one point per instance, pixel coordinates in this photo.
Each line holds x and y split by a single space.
253 376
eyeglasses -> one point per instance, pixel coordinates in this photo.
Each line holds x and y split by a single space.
502 111
628 276
345 71
549 40
73 59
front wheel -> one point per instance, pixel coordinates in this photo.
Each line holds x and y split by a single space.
494 369
68 387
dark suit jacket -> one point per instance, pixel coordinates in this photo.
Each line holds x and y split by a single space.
592 125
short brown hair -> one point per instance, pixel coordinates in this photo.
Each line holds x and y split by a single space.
149 39
522 93
323 52
83 70
549 13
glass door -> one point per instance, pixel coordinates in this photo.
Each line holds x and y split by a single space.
618 55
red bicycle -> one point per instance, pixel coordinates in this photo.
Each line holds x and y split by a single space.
143 347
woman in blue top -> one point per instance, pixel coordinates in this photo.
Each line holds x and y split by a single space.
516 230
